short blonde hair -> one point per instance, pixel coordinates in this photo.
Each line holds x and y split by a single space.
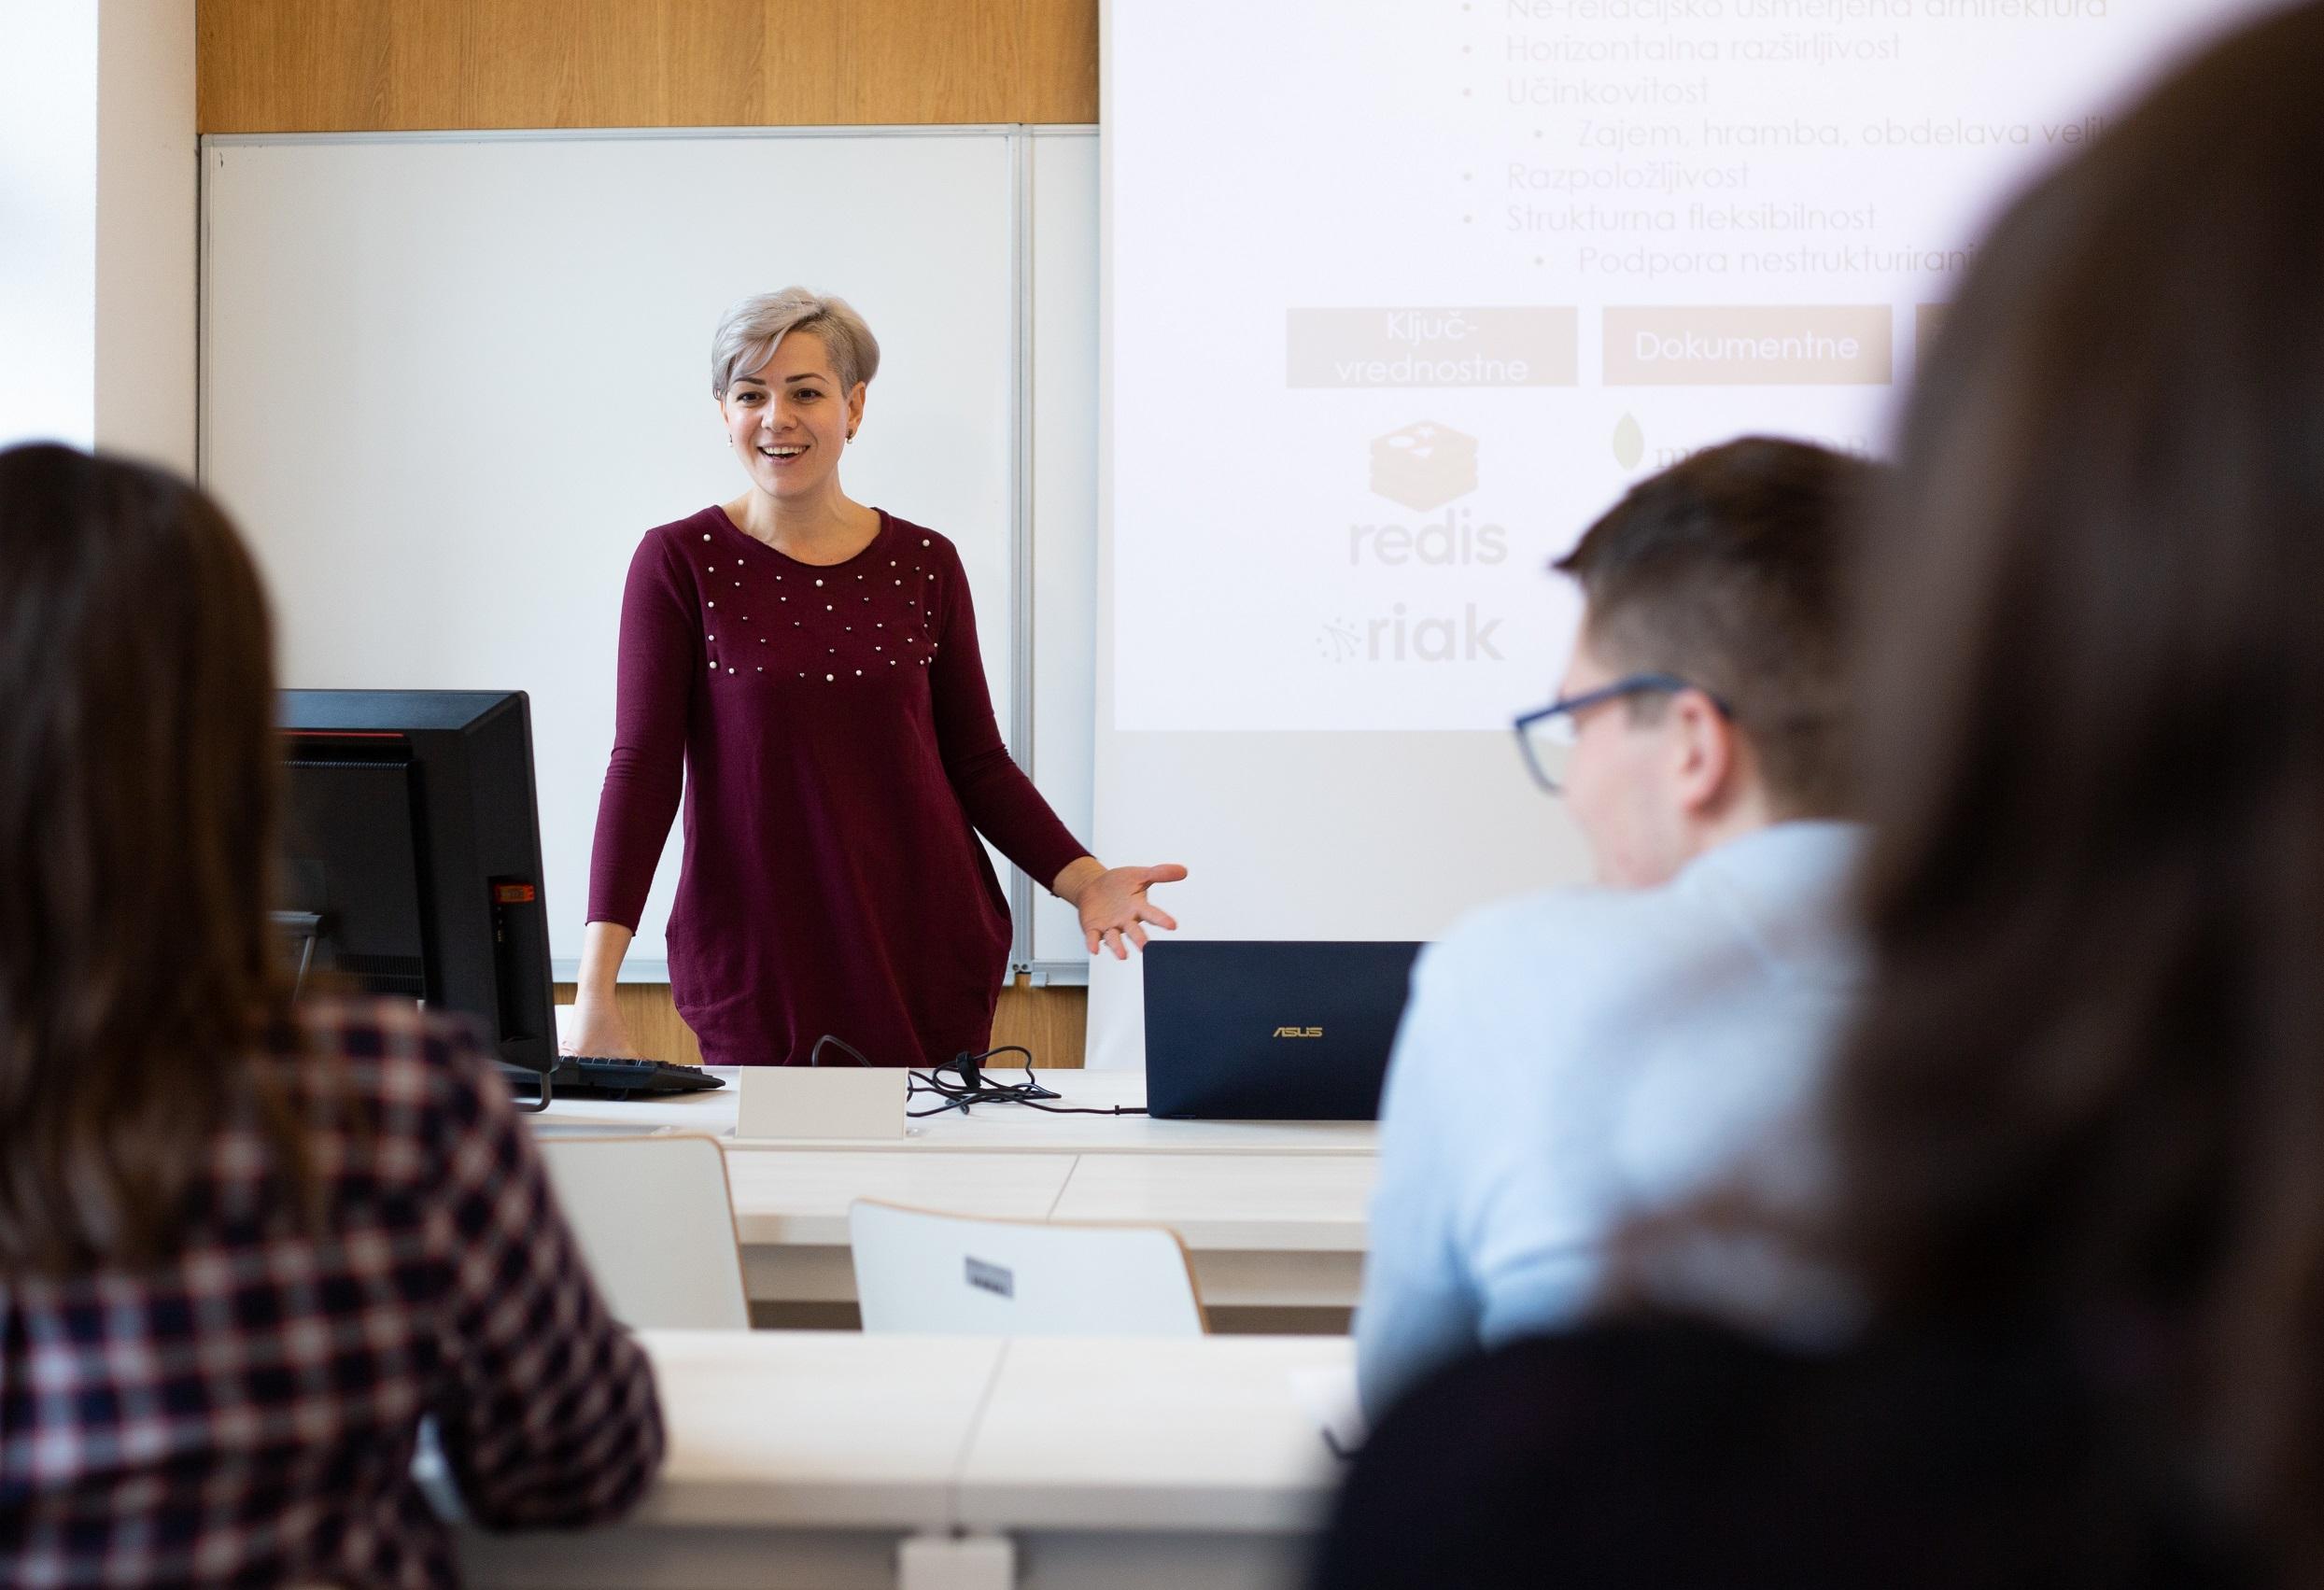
749 334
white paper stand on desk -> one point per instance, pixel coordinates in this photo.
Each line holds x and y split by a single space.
943 1562
820 1101
1327 1394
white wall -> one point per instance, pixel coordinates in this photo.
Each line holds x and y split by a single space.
146 229
47 221
97 225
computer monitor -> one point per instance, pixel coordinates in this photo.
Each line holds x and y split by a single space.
413 853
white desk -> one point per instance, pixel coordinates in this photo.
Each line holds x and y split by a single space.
1007 1129
1118 1433
1272 1231
790 1207
1280 1202
1272 1213
812 1458
793 1455
1263 1230
1154 1465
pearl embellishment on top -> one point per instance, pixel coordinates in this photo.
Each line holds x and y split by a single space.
833 677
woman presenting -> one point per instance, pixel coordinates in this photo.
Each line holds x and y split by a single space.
810 666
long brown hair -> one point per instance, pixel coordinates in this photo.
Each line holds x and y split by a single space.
139 800
2090 1077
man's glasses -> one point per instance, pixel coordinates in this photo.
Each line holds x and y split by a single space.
1547 734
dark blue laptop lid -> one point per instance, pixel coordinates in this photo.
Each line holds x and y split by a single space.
1250 1030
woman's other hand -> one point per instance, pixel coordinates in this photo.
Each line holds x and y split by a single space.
598 1032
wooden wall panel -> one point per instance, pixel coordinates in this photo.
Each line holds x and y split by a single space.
1052 1022
407 65
717 65
320 62
421 83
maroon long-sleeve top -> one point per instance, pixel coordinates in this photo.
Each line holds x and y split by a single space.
839 755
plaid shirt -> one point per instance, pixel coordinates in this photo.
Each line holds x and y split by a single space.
244 1413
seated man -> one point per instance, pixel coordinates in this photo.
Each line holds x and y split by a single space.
1586 1055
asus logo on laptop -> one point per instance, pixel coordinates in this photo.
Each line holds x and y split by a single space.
1299 1032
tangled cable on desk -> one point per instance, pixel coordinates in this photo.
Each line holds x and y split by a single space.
966 1085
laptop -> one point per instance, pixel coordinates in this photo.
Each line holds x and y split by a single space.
1242 1030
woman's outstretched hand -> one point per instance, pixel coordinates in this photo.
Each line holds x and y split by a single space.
1113 903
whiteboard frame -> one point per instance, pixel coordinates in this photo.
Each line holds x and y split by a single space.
1060 596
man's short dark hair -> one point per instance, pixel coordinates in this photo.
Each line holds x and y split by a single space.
1728 570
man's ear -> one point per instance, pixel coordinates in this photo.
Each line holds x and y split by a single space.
1707 751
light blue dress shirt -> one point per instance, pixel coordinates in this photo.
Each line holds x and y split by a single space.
1578 1057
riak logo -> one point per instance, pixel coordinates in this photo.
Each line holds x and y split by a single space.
1299 1032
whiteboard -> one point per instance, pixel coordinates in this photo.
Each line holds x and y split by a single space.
449 381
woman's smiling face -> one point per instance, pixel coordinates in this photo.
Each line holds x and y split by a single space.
789 419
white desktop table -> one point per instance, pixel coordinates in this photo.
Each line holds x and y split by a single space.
854 1462
1262 1230
1007 1129
1272 1213
792 1455
1155 1465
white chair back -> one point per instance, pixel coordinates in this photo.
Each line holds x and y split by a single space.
656 1224
950 1274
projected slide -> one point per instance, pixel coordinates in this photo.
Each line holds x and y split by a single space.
1405 292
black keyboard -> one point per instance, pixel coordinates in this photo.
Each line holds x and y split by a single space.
590 1078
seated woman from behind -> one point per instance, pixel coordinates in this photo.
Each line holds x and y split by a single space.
245 1249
